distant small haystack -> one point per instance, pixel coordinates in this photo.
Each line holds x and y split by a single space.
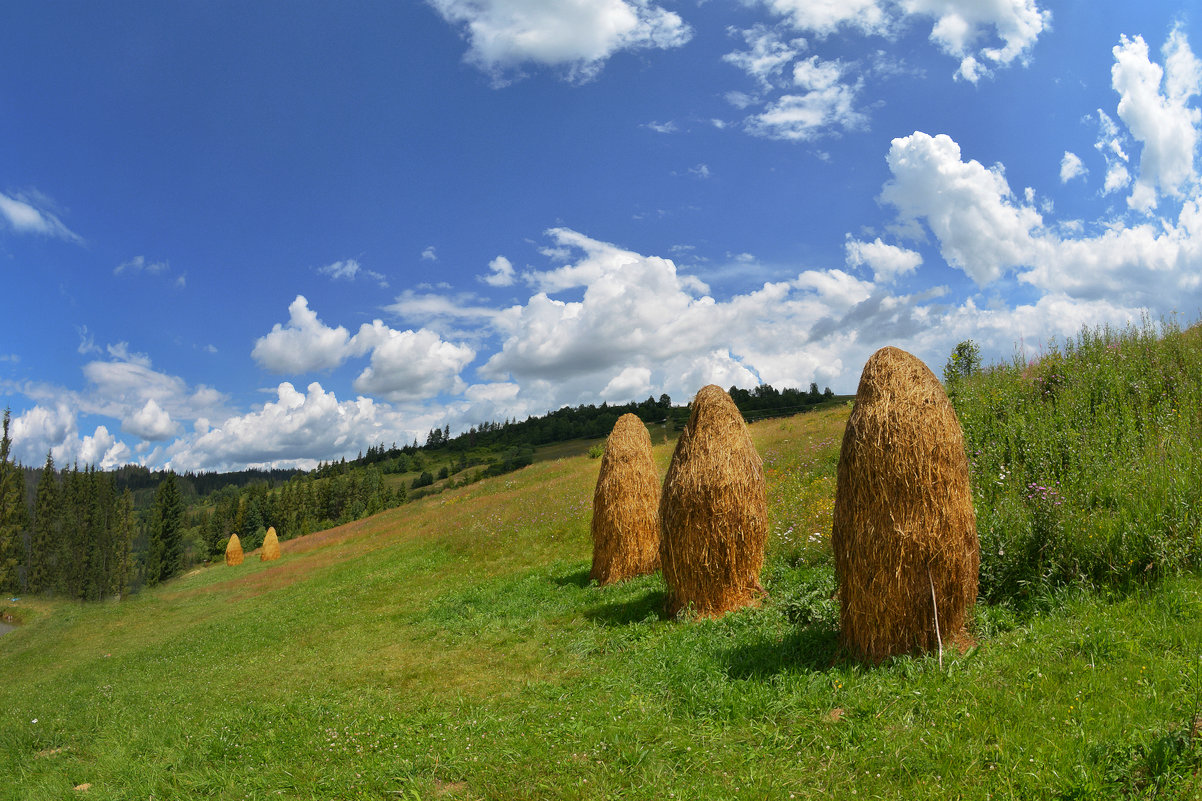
714 512
271 546
904 536
626 506
233 551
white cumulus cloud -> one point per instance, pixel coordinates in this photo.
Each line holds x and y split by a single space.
767 55
981 227
55 430
103 450
288 431
303 345
500 272
823 105
151 422
640 324
825 16
1154 102
576 35
887 262
404 364
982 35
1071 167
630 383
1111 145
412 365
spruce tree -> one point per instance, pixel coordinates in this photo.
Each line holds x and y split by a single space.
123 537
164 556
75 532
12 509
43 575
101 515
210 528
254 529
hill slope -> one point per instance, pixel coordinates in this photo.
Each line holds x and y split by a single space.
452 648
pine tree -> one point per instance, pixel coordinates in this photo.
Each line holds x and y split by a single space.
165 557
12 509
75 532
46 543
122 542
99 534
210 529
254 529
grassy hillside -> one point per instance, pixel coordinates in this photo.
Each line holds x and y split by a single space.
453 648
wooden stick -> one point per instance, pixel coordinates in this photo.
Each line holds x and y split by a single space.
935 606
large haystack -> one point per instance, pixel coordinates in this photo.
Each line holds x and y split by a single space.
271 546
714 512
905 536
233 551
626 506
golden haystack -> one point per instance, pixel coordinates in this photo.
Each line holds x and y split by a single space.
233 551
271 546
626 506
714 512
905 536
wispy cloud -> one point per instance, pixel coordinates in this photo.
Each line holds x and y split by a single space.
24 216
349 270
140 264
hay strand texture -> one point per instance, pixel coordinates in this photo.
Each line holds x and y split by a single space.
271 546
233 551
713 512
626 506
904 534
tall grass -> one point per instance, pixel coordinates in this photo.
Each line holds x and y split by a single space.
1085 461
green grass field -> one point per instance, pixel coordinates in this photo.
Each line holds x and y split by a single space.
454 648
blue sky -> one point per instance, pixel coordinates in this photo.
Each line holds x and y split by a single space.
240 234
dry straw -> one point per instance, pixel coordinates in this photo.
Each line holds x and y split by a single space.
233 551
905 536
271 546
626 506
714 512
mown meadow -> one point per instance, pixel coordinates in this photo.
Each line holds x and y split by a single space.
454 647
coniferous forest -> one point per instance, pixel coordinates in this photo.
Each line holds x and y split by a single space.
88 534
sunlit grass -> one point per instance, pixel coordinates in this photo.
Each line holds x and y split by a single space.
454 648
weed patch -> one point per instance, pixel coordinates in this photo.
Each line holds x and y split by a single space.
1085 461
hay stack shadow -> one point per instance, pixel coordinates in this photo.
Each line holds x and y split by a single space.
714 512
814 648
904 534
233 551
625 613
625 525
575 578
